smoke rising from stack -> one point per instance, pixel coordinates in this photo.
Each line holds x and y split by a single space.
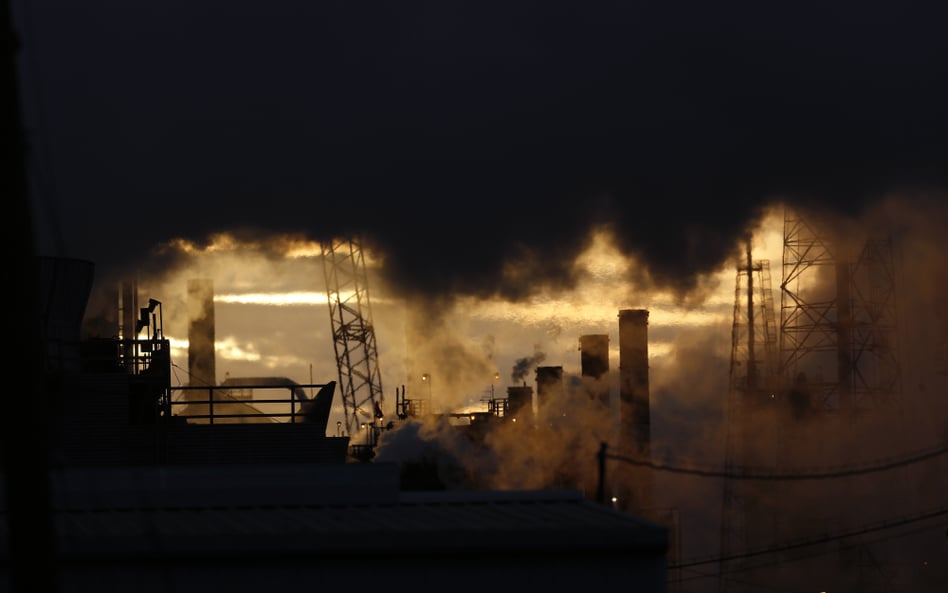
202 366
522 367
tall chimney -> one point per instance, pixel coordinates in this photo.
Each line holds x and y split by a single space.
633 379
635 431
201 361
594 362
549 386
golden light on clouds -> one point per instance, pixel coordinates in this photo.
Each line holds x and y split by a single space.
606 288
289 246
602 260
275 299
273 312
573 311
219 243
230 348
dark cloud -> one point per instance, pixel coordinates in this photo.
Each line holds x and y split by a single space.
458 135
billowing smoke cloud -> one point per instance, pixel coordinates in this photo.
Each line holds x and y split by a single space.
559 449
474 148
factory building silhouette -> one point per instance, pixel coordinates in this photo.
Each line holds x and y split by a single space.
128 461
122 448
145 498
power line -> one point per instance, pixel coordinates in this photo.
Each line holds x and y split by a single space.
698 574
800 543
752 474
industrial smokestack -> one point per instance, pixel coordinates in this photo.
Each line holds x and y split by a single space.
520 404
635 431
633 378
594 361
549 386
201 360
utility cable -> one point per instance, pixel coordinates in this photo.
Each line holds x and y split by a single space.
801 543
750 474
697 574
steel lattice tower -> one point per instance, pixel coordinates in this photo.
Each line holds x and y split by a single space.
750 410
350 313
810 401
808 328
840 333
839 356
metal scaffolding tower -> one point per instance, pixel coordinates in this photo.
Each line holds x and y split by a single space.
874 357
803 403
838 328
839 349
808 328
350 313
750 410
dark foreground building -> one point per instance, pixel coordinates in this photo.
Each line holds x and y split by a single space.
333 527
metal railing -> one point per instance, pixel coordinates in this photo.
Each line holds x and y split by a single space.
229 403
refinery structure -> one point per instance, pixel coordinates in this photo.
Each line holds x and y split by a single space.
112 474
814 374
793 440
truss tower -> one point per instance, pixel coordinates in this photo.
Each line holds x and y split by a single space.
750 412
350 313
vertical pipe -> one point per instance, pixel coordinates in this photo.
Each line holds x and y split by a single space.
633 380
634 415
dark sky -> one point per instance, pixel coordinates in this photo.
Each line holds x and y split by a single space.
453 134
